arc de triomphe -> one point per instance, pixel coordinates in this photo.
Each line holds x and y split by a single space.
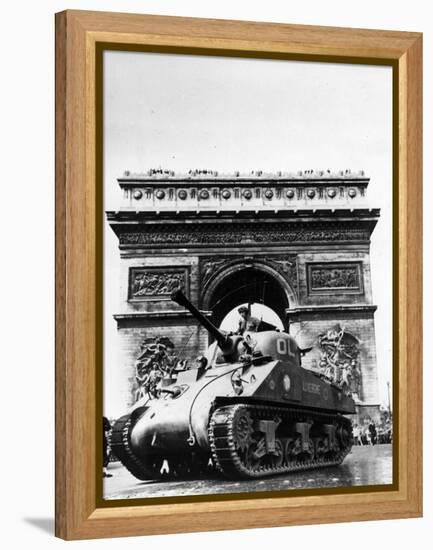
299 243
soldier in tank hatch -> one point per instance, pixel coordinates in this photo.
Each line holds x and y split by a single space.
253 324
247 322
244 317
201 362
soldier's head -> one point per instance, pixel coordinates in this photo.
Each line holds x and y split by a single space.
253 324
243 312
201 361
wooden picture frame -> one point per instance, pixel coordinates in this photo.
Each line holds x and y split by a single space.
80 36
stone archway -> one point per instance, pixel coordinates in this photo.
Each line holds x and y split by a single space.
247 281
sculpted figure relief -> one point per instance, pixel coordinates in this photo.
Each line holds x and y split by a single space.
155 359
335 277
210 267
339 360
262 233
151 283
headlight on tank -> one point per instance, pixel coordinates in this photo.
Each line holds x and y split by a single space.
174 392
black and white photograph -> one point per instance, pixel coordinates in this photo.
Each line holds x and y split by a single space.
247 275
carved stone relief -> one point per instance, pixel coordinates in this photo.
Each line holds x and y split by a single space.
209 267
160 282
329 278
339 360
287 265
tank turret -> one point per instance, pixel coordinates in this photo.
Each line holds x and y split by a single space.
247 409
254 346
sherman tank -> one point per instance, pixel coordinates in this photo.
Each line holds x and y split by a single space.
249 409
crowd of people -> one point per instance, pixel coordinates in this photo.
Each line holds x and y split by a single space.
371 433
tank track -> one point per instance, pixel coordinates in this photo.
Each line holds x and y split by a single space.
226 455
184 467
120 446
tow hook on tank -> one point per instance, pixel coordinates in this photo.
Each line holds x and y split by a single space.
191 440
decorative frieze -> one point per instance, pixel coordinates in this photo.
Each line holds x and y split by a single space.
198 234
147 283
331 278
280 195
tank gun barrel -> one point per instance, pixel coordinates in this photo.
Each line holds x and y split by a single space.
222 339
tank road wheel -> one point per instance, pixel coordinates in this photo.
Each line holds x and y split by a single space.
292 449
308 453
257 456
321 447
277 458
252 441
256 451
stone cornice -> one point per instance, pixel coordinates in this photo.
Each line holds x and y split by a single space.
207 190
210 216
241 182
163 315
344 308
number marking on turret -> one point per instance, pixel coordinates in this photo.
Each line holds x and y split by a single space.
284 347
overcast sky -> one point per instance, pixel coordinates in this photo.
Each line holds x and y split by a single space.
182 112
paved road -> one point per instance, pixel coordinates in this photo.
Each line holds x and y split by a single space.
368 465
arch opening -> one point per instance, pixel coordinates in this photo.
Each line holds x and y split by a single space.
248 285
230 323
